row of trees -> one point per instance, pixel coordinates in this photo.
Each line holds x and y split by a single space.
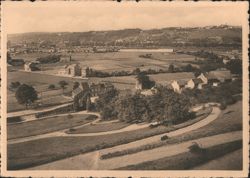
165 106
171 69
49 59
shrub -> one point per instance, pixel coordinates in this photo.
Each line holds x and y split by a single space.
52 87
223 106
195 148
72 130
15 85
164 137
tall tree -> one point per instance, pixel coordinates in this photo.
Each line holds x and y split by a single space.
63 84
144 80
26 94
235 66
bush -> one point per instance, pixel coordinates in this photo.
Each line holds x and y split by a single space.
195 148
223 106
15 85
52 87
164 137
72 130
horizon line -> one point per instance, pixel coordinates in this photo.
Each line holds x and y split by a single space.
237 26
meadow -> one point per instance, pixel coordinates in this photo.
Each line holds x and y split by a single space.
46 125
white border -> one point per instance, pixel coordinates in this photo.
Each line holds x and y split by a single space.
64 173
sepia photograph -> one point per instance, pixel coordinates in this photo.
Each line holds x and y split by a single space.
124 88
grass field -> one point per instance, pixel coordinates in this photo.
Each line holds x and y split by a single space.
54 148
229 120
54 97
187 160
115 61
50 149
46 125
40 82
99 127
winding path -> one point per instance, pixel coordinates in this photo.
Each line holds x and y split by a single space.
91 161
211 117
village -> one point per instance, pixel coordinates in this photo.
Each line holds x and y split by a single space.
128 99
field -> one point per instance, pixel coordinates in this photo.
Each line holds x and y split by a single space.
229 120
55 97
55 148
46 125
116 61
40 82
94 128
187 160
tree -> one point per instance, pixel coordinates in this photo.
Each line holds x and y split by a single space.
76 85
145 81
105 104
15 85
51 87
26 94
235 66
171 68
63 84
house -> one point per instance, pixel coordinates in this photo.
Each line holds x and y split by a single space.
194 83
138 85
86 93
31 66
179 85
215 77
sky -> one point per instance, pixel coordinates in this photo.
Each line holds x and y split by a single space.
22 17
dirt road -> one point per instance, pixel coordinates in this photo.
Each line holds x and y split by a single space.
91 161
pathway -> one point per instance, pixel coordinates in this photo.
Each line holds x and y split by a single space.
211 117
90 161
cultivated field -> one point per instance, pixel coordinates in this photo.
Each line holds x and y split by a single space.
116 61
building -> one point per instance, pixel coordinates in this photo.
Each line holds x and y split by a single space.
215 77
194 83
32 66
179 85
85 93
138 85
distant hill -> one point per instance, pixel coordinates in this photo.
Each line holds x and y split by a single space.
205 36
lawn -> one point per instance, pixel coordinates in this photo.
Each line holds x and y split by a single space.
229 120
46 125
94 128
50 149
40 82
187 160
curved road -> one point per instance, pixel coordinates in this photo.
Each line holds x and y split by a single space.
212 116
91 161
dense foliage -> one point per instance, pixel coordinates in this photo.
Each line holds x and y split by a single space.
165 106
49 59
26 94
144 80
171 69
225 94
235 66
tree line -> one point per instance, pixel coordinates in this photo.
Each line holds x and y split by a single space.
165 106
171 69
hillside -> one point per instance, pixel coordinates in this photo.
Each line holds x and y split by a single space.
206 36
